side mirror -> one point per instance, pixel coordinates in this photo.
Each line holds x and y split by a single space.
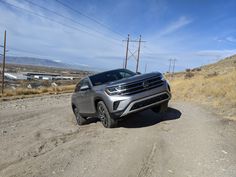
84 88
138 73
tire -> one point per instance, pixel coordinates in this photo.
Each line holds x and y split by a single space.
80 120
162 108
104 116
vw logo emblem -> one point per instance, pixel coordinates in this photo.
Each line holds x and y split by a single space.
145 84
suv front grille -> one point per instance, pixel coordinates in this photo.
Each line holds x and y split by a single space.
142 85
149 101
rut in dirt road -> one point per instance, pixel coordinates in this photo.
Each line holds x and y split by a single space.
39 137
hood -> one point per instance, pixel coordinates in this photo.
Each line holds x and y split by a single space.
134 78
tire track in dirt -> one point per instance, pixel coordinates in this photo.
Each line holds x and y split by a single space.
45 141
43 147
146 169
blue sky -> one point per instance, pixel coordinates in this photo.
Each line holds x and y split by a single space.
195 32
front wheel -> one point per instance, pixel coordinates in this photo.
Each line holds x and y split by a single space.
161 108
104 116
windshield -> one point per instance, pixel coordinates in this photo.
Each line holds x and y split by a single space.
110 76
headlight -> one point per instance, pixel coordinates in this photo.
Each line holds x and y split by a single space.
111 91
162 77
116 90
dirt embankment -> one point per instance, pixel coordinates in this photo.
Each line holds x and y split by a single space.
213 85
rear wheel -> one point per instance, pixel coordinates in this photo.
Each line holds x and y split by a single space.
161 108
80 120
104 116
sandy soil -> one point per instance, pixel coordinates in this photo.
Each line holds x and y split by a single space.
39 137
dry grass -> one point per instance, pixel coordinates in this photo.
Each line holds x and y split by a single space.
43 90
218 91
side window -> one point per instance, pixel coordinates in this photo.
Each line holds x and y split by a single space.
84 85
77 88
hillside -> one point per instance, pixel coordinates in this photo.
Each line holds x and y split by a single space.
44 62
223 66
212 85
35 62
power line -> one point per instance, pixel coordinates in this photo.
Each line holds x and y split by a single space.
55 21
56 13
63 16
23 51
149 50
42 16
68 18
90 18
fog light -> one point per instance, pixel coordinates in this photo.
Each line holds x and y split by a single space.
115 105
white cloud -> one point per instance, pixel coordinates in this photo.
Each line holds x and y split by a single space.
226 39
231 39
176 25
58 61
216 53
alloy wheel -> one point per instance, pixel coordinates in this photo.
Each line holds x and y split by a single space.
102 115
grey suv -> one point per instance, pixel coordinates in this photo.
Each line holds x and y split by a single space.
111 95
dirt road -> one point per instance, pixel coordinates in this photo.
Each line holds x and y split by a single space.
39 137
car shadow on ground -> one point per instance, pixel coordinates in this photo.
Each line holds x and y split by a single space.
149 118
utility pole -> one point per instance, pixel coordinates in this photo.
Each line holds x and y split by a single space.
3 62
137 58
127 50
174 60
139 44
169 65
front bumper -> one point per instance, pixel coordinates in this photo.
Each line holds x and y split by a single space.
146 103
142 104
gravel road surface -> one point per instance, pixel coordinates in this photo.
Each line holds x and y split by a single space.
39 137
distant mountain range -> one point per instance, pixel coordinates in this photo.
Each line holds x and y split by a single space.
44 63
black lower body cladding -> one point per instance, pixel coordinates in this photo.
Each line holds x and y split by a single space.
149 101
